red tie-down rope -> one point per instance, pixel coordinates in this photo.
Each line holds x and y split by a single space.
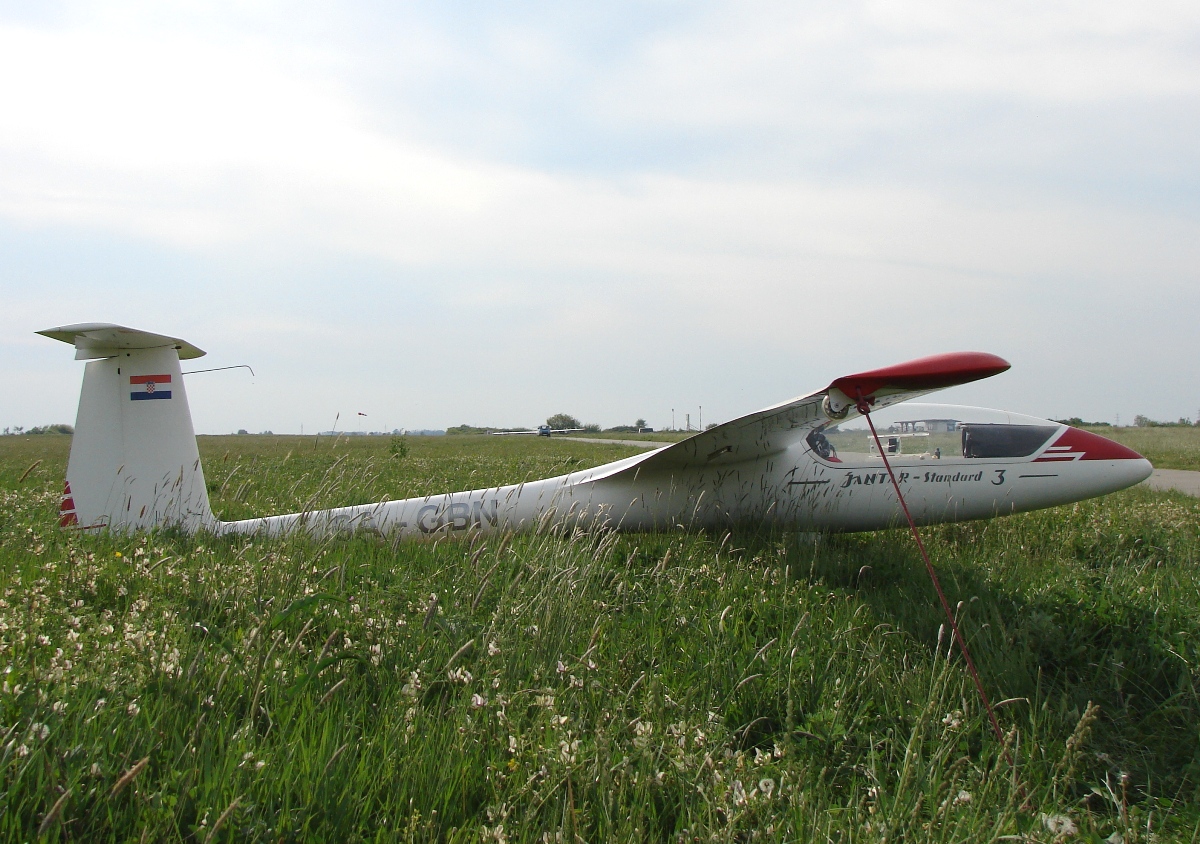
865 409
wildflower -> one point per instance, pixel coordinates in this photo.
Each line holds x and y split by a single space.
567 749
493 649
459 675
962 798
953 720
133 708
23 751
767 786
478 701
96 770
59 707
546 701
101 703
738 792
562 668
40 731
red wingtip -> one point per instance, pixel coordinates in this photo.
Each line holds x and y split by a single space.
931 373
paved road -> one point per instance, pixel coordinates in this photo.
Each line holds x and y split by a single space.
635 443
1179 479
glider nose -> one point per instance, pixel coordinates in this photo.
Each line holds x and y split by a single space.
1121 466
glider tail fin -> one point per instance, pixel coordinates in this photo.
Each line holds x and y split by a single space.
134 463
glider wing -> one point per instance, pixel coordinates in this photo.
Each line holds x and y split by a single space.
773 429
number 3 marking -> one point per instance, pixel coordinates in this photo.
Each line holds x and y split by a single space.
999 479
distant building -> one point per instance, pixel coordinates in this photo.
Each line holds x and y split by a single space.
929 426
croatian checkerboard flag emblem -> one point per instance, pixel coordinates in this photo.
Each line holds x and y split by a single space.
144 387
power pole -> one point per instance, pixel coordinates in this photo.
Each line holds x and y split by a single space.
700 427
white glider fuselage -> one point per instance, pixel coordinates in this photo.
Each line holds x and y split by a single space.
134 464
796 489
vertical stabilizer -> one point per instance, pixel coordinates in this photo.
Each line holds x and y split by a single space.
134 463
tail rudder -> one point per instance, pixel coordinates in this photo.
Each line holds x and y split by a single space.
134 462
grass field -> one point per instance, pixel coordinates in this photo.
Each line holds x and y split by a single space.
674 687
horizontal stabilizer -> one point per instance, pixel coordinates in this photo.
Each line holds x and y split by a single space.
94 340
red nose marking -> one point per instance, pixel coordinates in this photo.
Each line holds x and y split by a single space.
1075 444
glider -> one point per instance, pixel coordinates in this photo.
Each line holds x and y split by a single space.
134 464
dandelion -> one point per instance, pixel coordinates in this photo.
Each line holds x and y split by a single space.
1059 825
766 786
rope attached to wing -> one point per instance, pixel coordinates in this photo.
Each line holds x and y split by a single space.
864 407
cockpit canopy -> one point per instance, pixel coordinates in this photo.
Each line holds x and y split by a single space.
935 431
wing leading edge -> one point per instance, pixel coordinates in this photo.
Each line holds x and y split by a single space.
774 429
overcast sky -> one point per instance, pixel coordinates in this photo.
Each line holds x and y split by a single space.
452 213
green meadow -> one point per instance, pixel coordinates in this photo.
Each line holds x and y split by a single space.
587 686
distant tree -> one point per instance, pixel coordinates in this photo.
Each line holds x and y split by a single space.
51 429
466 429
590 427
563 420
641 423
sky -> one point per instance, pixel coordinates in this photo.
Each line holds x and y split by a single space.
448 213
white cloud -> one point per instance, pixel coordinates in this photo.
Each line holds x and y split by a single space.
244 146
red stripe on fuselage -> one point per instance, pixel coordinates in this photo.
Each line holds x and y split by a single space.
145 379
